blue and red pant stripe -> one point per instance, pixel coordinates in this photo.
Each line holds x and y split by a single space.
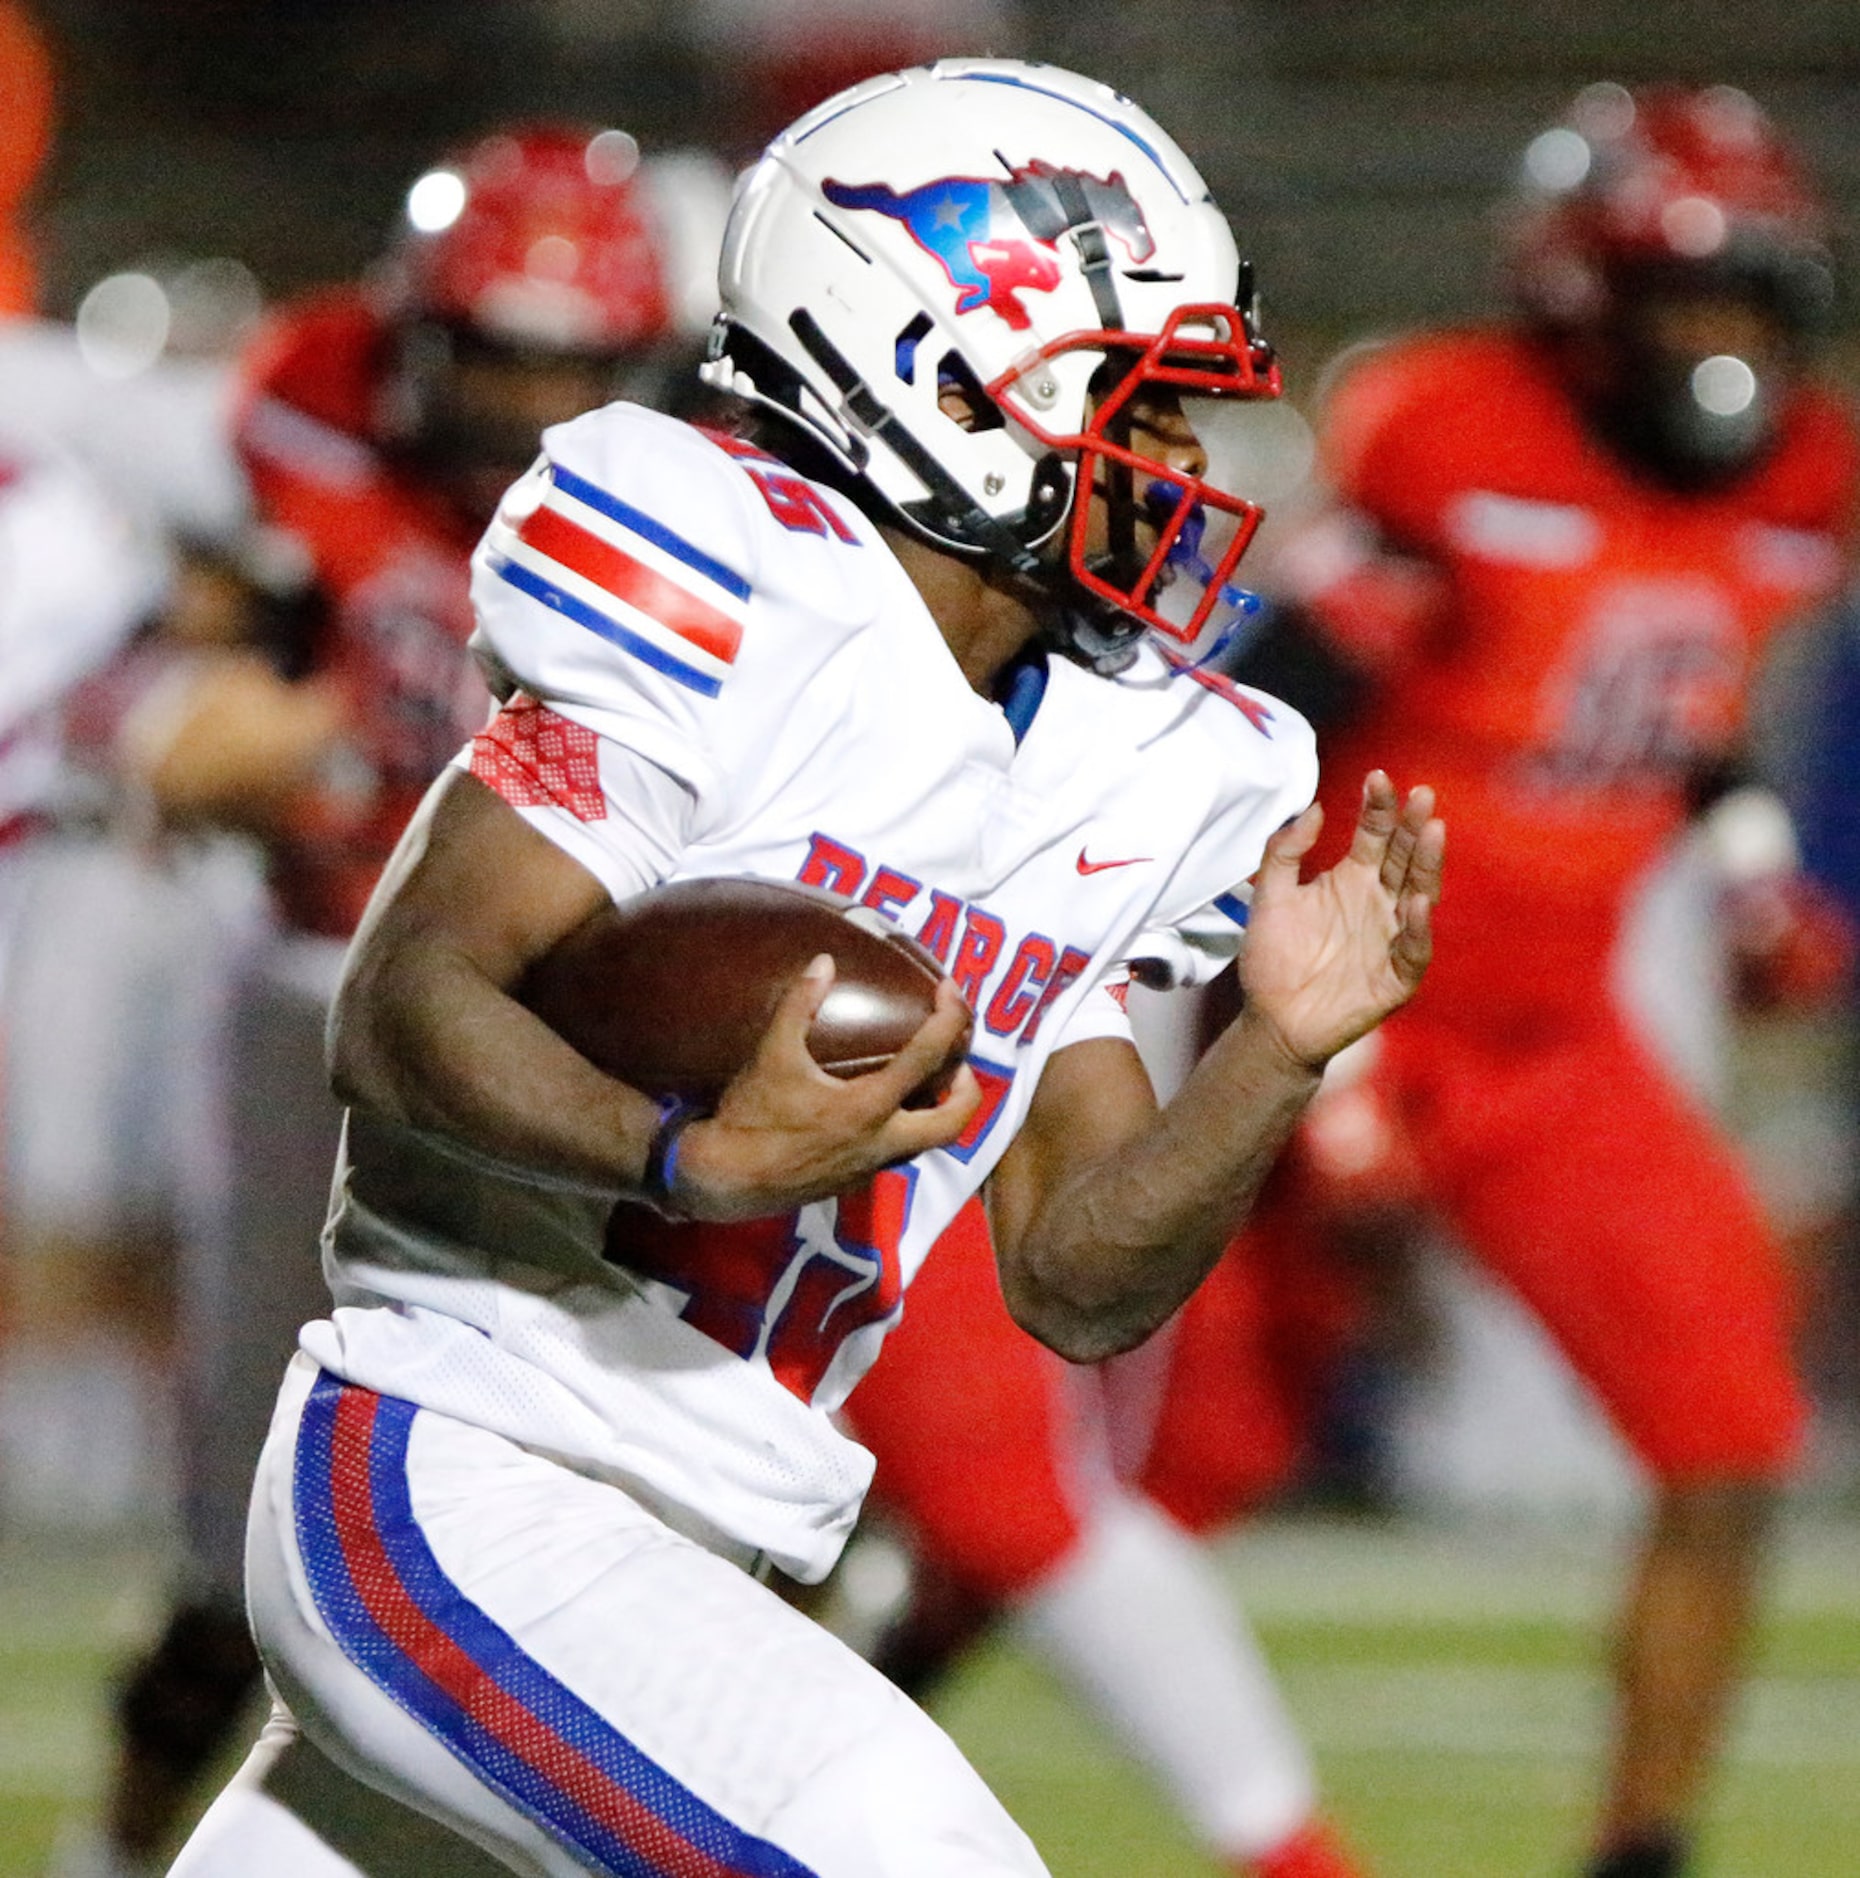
417 1636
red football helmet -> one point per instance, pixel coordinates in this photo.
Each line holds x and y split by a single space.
1671 247
1668 180
529 283
536 237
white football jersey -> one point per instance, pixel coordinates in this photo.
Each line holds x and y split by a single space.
713 667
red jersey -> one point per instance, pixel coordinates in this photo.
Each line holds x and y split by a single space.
392 558
1557 644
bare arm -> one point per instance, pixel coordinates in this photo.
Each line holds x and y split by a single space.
1106 1212
426 1032
239 746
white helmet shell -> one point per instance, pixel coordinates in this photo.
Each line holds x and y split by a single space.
985 222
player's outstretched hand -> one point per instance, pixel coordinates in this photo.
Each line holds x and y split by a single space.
785 1132
1327 959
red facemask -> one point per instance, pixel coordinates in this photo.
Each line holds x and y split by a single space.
1224 358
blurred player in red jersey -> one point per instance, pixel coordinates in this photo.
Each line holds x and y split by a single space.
1557 552
379 426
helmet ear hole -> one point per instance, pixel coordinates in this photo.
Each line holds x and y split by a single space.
905 351
954 373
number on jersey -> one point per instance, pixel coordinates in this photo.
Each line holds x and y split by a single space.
788 1290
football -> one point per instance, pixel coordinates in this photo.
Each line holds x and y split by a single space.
672 991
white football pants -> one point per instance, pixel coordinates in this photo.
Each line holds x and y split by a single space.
538 1665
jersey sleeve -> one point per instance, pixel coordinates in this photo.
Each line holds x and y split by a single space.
1261 759
619 814
1198 947
615 586
650 593
1100 1013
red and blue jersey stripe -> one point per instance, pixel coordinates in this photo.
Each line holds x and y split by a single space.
569 563
397 1616
648 529
1255 710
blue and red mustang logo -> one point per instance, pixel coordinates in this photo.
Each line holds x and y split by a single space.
978 229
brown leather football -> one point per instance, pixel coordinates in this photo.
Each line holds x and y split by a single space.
672 991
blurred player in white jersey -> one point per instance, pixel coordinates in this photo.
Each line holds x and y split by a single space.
77 579
377 425
579 1383
94 1147
121 943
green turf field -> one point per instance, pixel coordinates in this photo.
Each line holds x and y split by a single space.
1448 1679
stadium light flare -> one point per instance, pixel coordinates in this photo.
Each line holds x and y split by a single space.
1558 159
123 324
1724 385
436 201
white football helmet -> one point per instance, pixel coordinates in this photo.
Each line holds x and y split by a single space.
1011 230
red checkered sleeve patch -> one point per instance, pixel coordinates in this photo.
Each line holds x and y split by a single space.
535 759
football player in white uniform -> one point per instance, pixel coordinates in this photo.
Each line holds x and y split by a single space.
579 1383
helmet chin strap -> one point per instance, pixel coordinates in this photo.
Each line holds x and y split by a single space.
1091 632
969 526
1072 622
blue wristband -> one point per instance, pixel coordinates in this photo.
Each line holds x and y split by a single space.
661 1170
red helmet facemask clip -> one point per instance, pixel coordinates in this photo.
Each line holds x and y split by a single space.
1206 351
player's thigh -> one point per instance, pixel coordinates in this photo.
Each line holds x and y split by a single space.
981 1439
1623 1218
534 1660
105 1002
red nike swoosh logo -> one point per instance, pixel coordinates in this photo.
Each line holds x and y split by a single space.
1098 867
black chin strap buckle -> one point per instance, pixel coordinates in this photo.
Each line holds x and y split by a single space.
1092 633
1094 251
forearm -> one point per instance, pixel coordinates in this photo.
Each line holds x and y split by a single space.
1107 1215
428 1040
223 740
1117 1246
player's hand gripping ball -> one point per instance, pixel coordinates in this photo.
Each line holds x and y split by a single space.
672 990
